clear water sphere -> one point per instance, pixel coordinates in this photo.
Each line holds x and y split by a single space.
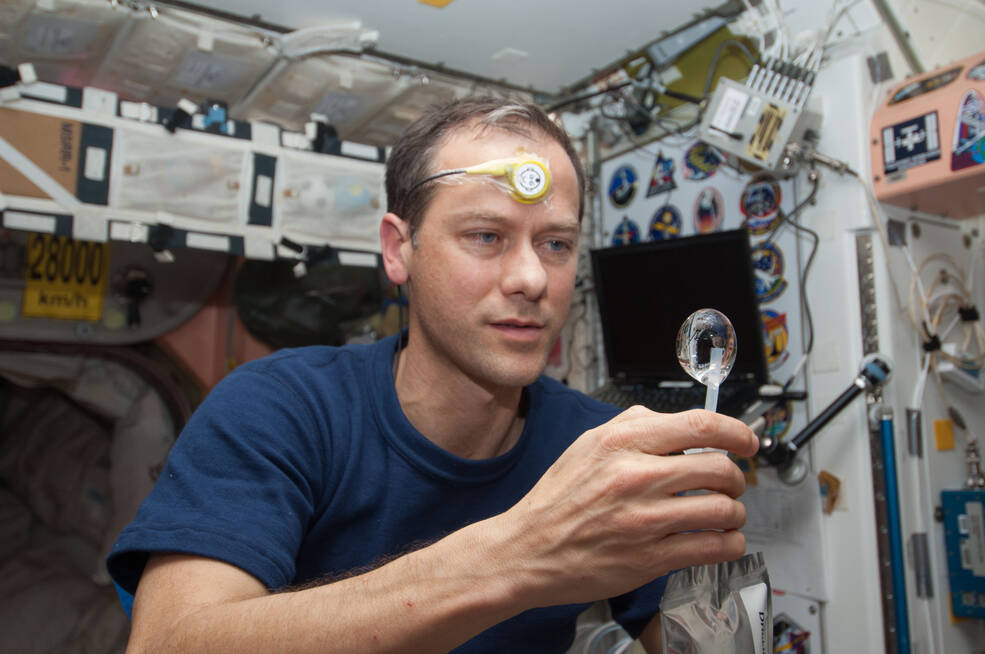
706 346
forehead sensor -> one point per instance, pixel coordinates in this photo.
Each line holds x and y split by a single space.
527 178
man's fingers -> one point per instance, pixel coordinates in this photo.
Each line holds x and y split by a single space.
663 433
633 413
697 548
707 471
701 512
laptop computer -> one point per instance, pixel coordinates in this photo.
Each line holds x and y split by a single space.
645 291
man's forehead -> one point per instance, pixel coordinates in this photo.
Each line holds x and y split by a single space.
463 145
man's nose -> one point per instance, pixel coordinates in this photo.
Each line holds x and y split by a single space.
524 273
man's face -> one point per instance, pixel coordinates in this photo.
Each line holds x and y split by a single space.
490 278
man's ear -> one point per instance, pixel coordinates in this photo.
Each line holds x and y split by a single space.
396 248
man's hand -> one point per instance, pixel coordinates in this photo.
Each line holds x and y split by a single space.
609 516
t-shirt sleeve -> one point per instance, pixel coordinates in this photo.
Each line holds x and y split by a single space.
634 610
239 485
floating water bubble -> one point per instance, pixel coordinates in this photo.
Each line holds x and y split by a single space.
706 347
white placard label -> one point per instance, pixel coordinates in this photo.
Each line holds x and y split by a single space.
730 110
30 222
207 242
95 166
973 547
264 190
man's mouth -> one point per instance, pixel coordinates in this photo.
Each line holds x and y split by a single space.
518 324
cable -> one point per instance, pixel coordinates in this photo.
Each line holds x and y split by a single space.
954 302
971 268
587 96
636 111
781 26
814 178
621 646
713 66
788 218
763 30
802 281
834 17
443 173
595 638
915 283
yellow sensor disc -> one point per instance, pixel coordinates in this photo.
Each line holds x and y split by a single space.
530 181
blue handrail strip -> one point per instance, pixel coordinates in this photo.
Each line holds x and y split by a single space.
895 535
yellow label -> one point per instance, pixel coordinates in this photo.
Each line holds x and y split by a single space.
943 435
830 491
66 279
435 3
766 131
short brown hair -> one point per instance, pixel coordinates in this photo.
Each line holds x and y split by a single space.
412 157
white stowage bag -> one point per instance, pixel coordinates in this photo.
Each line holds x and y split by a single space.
331 199
79 473
82 440
16 521
46 606
56 459
186 179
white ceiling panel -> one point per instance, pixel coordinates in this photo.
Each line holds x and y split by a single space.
544 45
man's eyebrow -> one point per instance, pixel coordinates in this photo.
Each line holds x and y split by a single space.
479 216
554 226
572 228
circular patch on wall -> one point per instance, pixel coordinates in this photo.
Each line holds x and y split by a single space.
775 337
767 266
760 204
626 232
709 210
701 161
622 186
665 224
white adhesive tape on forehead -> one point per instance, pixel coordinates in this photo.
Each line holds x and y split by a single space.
525 177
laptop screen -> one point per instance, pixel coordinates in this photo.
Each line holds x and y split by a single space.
646 290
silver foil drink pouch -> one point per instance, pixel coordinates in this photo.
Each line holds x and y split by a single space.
719 608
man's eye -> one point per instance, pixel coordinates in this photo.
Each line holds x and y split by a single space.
557 245
486 238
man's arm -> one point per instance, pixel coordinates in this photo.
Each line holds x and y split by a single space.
606 518
430 600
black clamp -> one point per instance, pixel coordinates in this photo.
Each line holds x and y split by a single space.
933 344
9 76
181 116
968 313
294 246
325 139
160 237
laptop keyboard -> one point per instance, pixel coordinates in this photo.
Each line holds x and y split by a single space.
670 400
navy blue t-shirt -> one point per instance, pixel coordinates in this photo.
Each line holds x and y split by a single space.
302 465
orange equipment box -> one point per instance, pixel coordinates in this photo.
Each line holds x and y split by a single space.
928 142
